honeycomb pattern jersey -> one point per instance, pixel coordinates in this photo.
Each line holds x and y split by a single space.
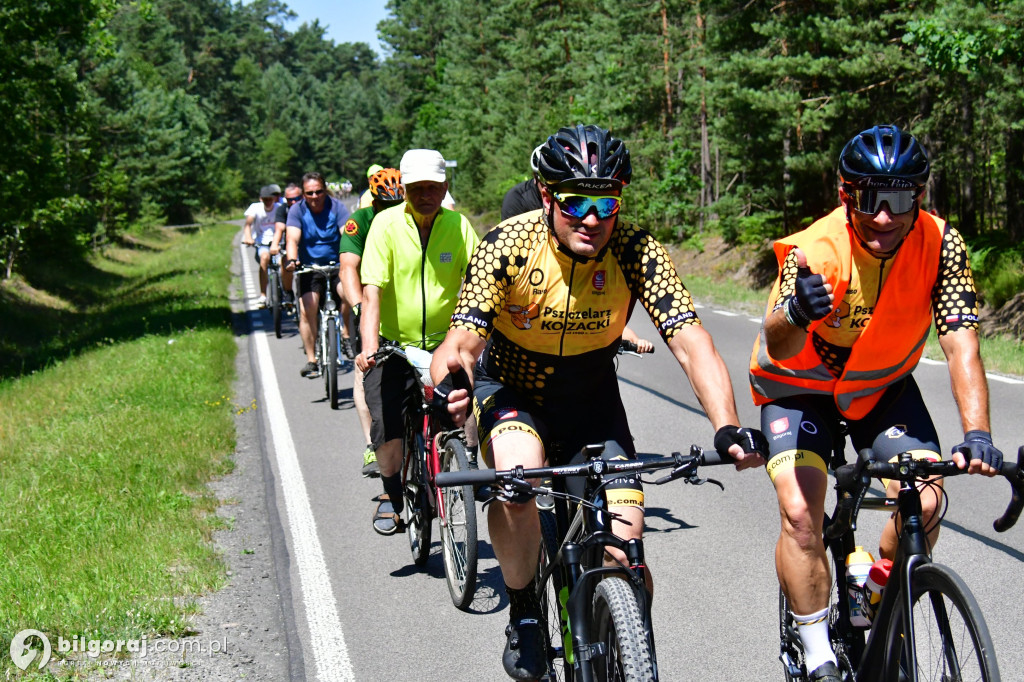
553 320
954 299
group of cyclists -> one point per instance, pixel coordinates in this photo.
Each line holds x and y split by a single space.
532 314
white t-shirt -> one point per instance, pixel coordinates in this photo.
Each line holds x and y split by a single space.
263 223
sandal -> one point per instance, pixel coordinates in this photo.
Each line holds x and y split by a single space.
385 520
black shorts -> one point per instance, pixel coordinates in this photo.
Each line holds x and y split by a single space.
316 283
563 432
389 388
806 430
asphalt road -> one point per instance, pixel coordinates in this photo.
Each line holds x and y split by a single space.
360 610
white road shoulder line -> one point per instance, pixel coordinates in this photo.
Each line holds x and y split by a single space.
328 641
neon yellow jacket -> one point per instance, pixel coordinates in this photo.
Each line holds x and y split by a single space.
419 286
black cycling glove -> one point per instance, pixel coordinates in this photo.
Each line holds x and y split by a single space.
810 300
751 440
450 383
978 445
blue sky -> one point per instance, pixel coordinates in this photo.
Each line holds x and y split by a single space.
348 21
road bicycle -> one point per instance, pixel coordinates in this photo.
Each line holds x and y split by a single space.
328 346
429 448
597 616
928 625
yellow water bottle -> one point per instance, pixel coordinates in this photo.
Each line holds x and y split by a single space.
857 566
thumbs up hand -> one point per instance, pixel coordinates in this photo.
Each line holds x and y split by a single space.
812 299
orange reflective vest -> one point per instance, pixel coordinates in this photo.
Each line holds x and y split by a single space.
889 347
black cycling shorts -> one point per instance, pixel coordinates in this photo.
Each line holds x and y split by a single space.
315 282
563 432
806 430
388 388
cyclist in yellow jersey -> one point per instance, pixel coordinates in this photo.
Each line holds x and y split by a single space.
546 299
412 267
848 316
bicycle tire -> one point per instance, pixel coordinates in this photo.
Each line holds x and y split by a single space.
458 528
416 511
551 595
951 638
274 286
616 621
332 363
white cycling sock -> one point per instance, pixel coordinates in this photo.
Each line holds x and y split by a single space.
813 629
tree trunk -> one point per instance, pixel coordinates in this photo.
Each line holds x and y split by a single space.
1014 185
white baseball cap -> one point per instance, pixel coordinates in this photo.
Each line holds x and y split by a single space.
419 165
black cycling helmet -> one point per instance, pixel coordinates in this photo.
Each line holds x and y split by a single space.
884 157
584 157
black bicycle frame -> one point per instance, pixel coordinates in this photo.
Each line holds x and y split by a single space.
573 556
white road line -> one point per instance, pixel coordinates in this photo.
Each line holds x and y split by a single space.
328 641
725 313
929 361
755 320
1005 380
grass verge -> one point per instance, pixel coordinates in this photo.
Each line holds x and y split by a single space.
107 447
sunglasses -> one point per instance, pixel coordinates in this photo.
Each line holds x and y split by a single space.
292 200
315 193
869 201
579 205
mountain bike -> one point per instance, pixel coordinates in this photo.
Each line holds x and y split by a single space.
429 448
928 625
328 346
598 616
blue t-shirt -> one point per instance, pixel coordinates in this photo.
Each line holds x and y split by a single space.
321 232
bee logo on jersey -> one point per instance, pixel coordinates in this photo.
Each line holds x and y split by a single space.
522 315
598 280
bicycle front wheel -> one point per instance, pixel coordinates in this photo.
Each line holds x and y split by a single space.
458 528
951 639
552 595
274 288
331 375
618 624
416 511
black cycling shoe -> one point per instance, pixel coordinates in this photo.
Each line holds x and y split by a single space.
524 657
827 672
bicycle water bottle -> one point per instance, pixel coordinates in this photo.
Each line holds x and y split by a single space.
878 576
858 564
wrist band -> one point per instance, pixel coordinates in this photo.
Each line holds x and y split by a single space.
789 314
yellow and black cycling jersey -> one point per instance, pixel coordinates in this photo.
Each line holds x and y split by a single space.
553 320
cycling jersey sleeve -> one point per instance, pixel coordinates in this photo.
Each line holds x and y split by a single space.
787 281
485 291
654 279
954 297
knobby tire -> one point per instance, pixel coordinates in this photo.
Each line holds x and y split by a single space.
458 528
617 622
951 638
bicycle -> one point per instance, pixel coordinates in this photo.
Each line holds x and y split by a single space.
597 616
428 449
911 638
328 347
275 294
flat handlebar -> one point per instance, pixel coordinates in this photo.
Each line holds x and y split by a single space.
696 457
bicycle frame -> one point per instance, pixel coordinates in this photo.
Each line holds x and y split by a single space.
869 659
581 557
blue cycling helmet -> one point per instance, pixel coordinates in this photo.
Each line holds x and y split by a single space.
884 157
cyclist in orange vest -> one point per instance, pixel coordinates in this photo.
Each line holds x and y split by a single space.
846 323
